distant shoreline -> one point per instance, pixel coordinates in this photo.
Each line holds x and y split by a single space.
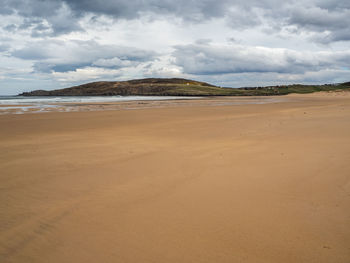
179 87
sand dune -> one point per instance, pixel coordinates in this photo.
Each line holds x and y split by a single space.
237 183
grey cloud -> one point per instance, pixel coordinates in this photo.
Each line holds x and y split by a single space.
126 9
334 4
4 47
63 16
339 35
35 51
192 10
319 19
65 56
5 9
55 13
242 19
47 67
10 27
115 63
329 37
215 60
32 8
239 12
329 20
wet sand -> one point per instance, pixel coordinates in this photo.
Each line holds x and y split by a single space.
179 183
136 104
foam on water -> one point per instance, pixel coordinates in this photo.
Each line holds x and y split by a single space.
21 100
22 104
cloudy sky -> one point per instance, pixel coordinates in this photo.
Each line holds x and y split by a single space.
49 44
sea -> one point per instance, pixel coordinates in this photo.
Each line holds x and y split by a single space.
24 104
33 104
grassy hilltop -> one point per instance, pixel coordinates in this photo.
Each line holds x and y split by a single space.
178 87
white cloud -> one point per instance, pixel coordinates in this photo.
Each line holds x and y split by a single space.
84 74
207 59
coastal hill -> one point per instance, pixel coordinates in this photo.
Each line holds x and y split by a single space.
178 87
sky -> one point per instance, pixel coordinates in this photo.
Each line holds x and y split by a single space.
52 44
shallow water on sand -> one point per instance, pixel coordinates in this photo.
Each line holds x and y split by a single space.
21 104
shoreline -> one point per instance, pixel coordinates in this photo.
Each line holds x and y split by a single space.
128 102
133 104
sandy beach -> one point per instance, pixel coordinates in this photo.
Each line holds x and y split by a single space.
188 181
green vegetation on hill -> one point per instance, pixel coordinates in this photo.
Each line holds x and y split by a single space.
296 88
179 87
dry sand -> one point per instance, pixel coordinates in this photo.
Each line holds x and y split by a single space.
238 183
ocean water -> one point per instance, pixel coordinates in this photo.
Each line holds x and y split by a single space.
22 104
22 100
